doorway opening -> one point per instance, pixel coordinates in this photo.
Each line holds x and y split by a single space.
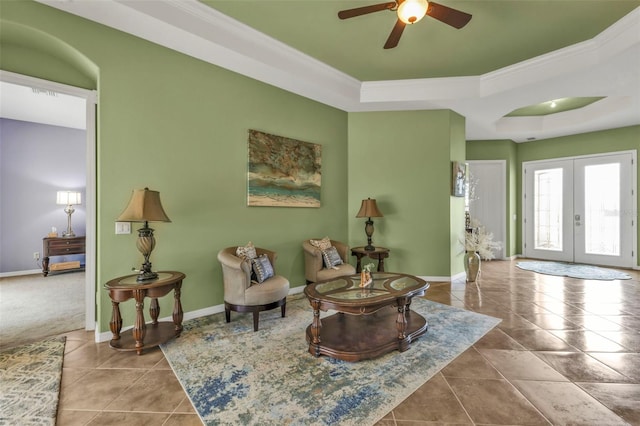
89 97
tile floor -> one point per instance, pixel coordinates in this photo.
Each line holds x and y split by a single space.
566 352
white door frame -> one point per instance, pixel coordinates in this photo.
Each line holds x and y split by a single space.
631 215
91 99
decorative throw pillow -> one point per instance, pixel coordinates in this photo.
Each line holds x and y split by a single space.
262 268
247 252
331 258
322 244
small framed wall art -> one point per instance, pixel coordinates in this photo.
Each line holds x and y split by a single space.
458 178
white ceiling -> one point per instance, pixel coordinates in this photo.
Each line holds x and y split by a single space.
607 65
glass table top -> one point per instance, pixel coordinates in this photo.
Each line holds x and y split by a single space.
385 284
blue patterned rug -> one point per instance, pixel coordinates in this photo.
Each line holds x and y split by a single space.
30 379
573 270
234 376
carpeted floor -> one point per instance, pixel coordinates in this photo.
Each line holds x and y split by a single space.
33 307
30 380
235 376
573 270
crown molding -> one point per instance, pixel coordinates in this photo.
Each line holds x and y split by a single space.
197 30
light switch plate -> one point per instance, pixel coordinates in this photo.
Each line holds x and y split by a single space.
123 227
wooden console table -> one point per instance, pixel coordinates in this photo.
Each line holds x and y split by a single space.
125 288
63 246
378 253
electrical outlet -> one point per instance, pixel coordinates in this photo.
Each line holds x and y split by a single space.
36 255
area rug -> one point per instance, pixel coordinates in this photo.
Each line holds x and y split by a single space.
235 376
30 381
573 270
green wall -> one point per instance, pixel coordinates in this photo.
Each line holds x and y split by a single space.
178 125
403 160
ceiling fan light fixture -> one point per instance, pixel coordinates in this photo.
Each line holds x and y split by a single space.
411 11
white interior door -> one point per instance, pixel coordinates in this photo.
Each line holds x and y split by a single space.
488 203
582 209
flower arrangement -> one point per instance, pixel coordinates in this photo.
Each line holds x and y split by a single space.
365 275
480 241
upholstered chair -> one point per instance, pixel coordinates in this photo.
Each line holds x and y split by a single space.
243 295
314 265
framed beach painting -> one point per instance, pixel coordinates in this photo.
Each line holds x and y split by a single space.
283 172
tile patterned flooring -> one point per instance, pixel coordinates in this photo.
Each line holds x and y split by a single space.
566 352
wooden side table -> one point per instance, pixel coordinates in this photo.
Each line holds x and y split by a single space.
124 288
379 253
60 246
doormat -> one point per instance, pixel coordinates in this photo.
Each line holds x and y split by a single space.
235 376
573 270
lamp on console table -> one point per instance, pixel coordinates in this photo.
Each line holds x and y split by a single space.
144 206
68 198
369 209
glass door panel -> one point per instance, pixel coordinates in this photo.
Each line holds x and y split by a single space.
548 209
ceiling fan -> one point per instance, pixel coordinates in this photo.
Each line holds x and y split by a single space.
410 12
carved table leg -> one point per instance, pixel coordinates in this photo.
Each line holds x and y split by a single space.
316 325
154 310
358 262
116 321
381 257
139 328
177 308
401 325
45 266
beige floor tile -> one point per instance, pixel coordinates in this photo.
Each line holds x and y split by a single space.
129 359
539 340
624 363
495 402
97 389
157 391
588 341
622 399
521 365
471 364
580 367
75 417
550 321
183 420
630 340
433 402
107 418
498 339
567 404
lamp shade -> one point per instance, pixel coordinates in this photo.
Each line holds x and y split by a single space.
411 11
369 208
69 197
144 206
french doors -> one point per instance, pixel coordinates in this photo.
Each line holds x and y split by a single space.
581 209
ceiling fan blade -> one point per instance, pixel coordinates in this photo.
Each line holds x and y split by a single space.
352 13
394 37
449 16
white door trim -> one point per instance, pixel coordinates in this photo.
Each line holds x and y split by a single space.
91 98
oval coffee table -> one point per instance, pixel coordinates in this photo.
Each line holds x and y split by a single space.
370 321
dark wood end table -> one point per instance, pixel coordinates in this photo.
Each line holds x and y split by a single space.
124 288
370 321
60 246
379 253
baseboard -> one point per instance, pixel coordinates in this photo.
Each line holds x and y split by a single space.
17 273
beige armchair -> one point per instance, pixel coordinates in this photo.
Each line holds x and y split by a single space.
314 269
239 293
